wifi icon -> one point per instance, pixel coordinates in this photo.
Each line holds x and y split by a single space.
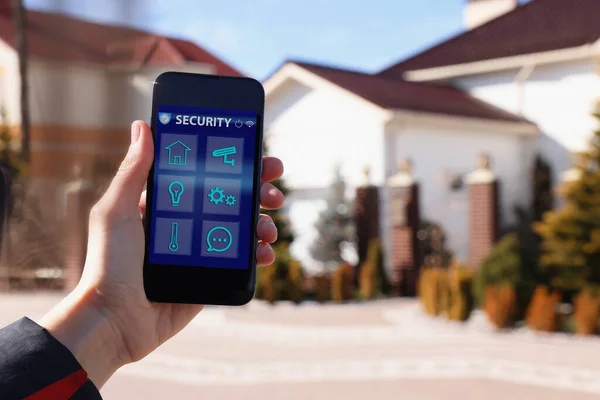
249 124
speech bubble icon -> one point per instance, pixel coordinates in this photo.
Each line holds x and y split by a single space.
219 239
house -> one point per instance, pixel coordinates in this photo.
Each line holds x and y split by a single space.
520 81
88 82
177 153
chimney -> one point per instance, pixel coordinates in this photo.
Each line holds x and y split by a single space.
478 12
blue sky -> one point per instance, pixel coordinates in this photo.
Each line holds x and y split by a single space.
257 35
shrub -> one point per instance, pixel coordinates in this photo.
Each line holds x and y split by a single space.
322 287
542 313
426 292
282 280
367 280
266 284
372 279
443 291
342 283
502 265
461 300
295 282
587 312
433 290
500 304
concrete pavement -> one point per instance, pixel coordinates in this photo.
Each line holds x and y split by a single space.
381 350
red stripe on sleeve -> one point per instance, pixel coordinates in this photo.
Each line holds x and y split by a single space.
63 389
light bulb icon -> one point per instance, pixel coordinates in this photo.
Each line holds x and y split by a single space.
176 189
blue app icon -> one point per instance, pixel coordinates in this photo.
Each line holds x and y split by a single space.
173 236
175 193
220 239
178 152
221 196
224 155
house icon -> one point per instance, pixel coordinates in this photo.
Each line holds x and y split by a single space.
177 153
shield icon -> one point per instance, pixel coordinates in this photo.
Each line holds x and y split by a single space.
164 118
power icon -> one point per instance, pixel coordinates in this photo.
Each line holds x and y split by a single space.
239 123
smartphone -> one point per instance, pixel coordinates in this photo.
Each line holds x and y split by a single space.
203 189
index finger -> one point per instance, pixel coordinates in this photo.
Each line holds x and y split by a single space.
272 168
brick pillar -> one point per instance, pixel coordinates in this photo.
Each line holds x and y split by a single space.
484 211
366 212
79 199
405 218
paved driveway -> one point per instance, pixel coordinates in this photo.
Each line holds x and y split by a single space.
383 350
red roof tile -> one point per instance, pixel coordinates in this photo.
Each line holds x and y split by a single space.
537 26
395 93
59 37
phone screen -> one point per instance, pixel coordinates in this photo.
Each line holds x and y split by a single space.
202 195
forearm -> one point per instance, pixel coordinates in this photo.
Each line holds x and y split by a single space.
80 326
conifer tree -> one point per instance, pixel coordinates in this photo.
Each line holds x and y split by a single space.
334 227
571 235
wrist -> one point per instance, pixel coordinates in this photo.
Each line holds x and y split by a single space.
81 326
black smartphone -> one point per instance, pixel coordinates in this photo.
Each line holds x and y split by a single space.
203 189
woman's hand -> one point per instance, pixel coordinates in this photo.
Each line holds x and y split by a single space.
107 321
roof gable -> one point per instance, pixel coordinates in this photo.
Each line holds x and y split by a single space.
56 36
397 94
178 143
537 26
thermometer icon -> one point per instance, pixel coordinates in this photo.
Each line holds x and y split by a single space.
174 246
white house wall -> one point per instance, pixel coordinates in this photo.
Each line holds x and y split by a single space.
9 82
68 94
76 94
559 98
438 154
312 131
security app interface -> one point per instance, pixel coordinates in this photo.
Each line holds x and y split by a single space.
203 177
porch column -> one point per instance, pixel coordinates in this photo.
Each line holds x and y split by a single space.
484 211
405 221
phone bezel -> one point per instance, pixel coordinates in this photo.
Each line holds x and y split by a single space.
193 284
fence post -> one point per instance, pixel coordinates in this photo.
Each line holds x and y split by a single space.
484 211
366 212
405 216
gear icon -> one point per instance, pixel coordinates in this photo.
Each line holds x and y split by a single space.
230 200
216 195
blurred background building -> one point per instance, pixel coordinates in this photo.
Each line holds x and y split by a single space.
504 87
87 83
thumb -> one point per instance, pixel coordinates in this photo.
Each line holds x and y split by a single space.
128 183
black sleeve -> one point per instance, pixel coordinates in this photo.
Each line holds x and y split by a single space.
35 366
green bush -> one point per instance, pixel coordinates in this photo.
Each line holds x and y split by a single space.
295 282
500 304
342 283
542 314
587 311
443 291
509 263
432 288
461 299
373 280
282 280
446 292
266 284
322 287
